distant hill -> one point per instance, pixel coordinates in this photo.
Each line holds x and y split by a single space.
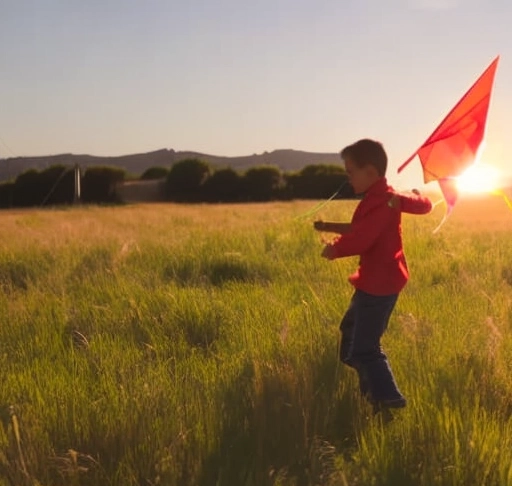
136 164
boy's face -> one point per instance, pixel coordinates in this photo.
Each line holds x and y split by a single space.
361 178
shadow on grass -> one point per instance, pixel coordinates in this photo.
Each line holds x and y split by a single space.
281 427
19 273
217 271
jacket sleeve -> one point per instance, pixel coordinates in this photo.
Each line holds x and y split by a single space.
415 204
363 233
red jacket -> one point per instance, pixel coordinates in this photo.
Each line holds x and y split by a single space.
376 235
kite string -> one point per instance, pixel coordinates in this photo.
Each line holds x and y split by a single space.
321 204
439 201
501 192
496 192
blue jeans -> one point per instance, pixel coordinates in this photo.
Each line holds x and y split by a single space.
361 329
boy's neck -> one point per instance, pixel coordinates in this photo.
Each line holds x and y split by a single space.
375 180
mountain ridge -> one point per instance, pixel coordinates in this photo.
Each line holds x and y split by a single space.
136 164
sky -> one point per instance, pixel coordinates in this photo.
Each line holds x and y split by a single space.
237 77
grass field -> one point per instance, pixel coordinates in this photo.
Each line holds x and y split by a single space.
196 345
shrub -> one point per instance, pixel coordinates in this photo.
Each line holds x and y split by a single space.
318 182
154 173
99 184
224 185
186 179
263 183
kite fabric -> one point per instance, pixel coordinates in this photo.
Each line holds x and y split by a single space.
454 144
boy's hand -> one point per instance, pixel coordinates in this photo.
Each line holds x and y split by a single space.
329 252
332 227
319 225
394 202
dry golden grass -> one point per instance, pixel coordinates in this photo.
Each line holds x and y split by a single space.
164 223
57 226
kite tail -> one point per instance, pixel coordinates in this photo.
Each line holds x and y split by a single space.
445 217
450 195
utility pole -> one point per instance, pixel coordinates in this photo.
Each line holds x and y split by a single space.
76 198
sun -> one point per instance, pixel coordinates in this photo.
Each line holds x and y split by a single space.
479 178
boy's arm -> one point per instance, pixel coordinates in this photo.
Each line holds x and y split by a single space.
332 227
413 204
362 236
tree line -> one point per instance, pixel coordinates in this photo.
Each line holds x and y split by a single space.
56 186
190 180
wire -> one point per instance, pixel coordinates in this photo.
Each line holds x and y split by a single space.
63 173
7 147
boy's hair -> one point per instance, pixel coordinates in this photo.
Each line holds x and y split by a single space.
367 152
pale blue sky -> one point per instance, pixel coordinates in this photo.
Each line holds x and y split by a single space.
235 77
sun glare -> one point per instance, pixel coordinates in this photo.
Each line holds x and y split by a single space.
479 178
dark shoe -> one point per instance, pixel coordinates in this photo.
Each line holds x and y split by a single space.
385 405
396 403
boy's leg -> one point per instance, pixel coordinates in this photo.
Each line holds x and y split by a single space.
347 327
347 333
370 316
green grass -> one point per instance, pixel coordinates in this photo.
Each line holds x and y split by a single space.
196 345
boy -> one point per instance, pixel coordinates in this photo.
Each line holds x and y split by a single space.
375 235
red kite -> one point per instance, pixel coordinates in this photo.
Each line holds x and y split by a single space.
454 144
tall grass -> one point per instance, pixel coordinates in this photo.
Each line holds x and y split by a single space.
196 345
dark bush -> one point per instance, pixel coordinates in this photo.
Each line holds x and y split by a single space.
27 191
6 194
186 179
318 182
224 185
54 185
58 184
263 183
154 173
99 184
